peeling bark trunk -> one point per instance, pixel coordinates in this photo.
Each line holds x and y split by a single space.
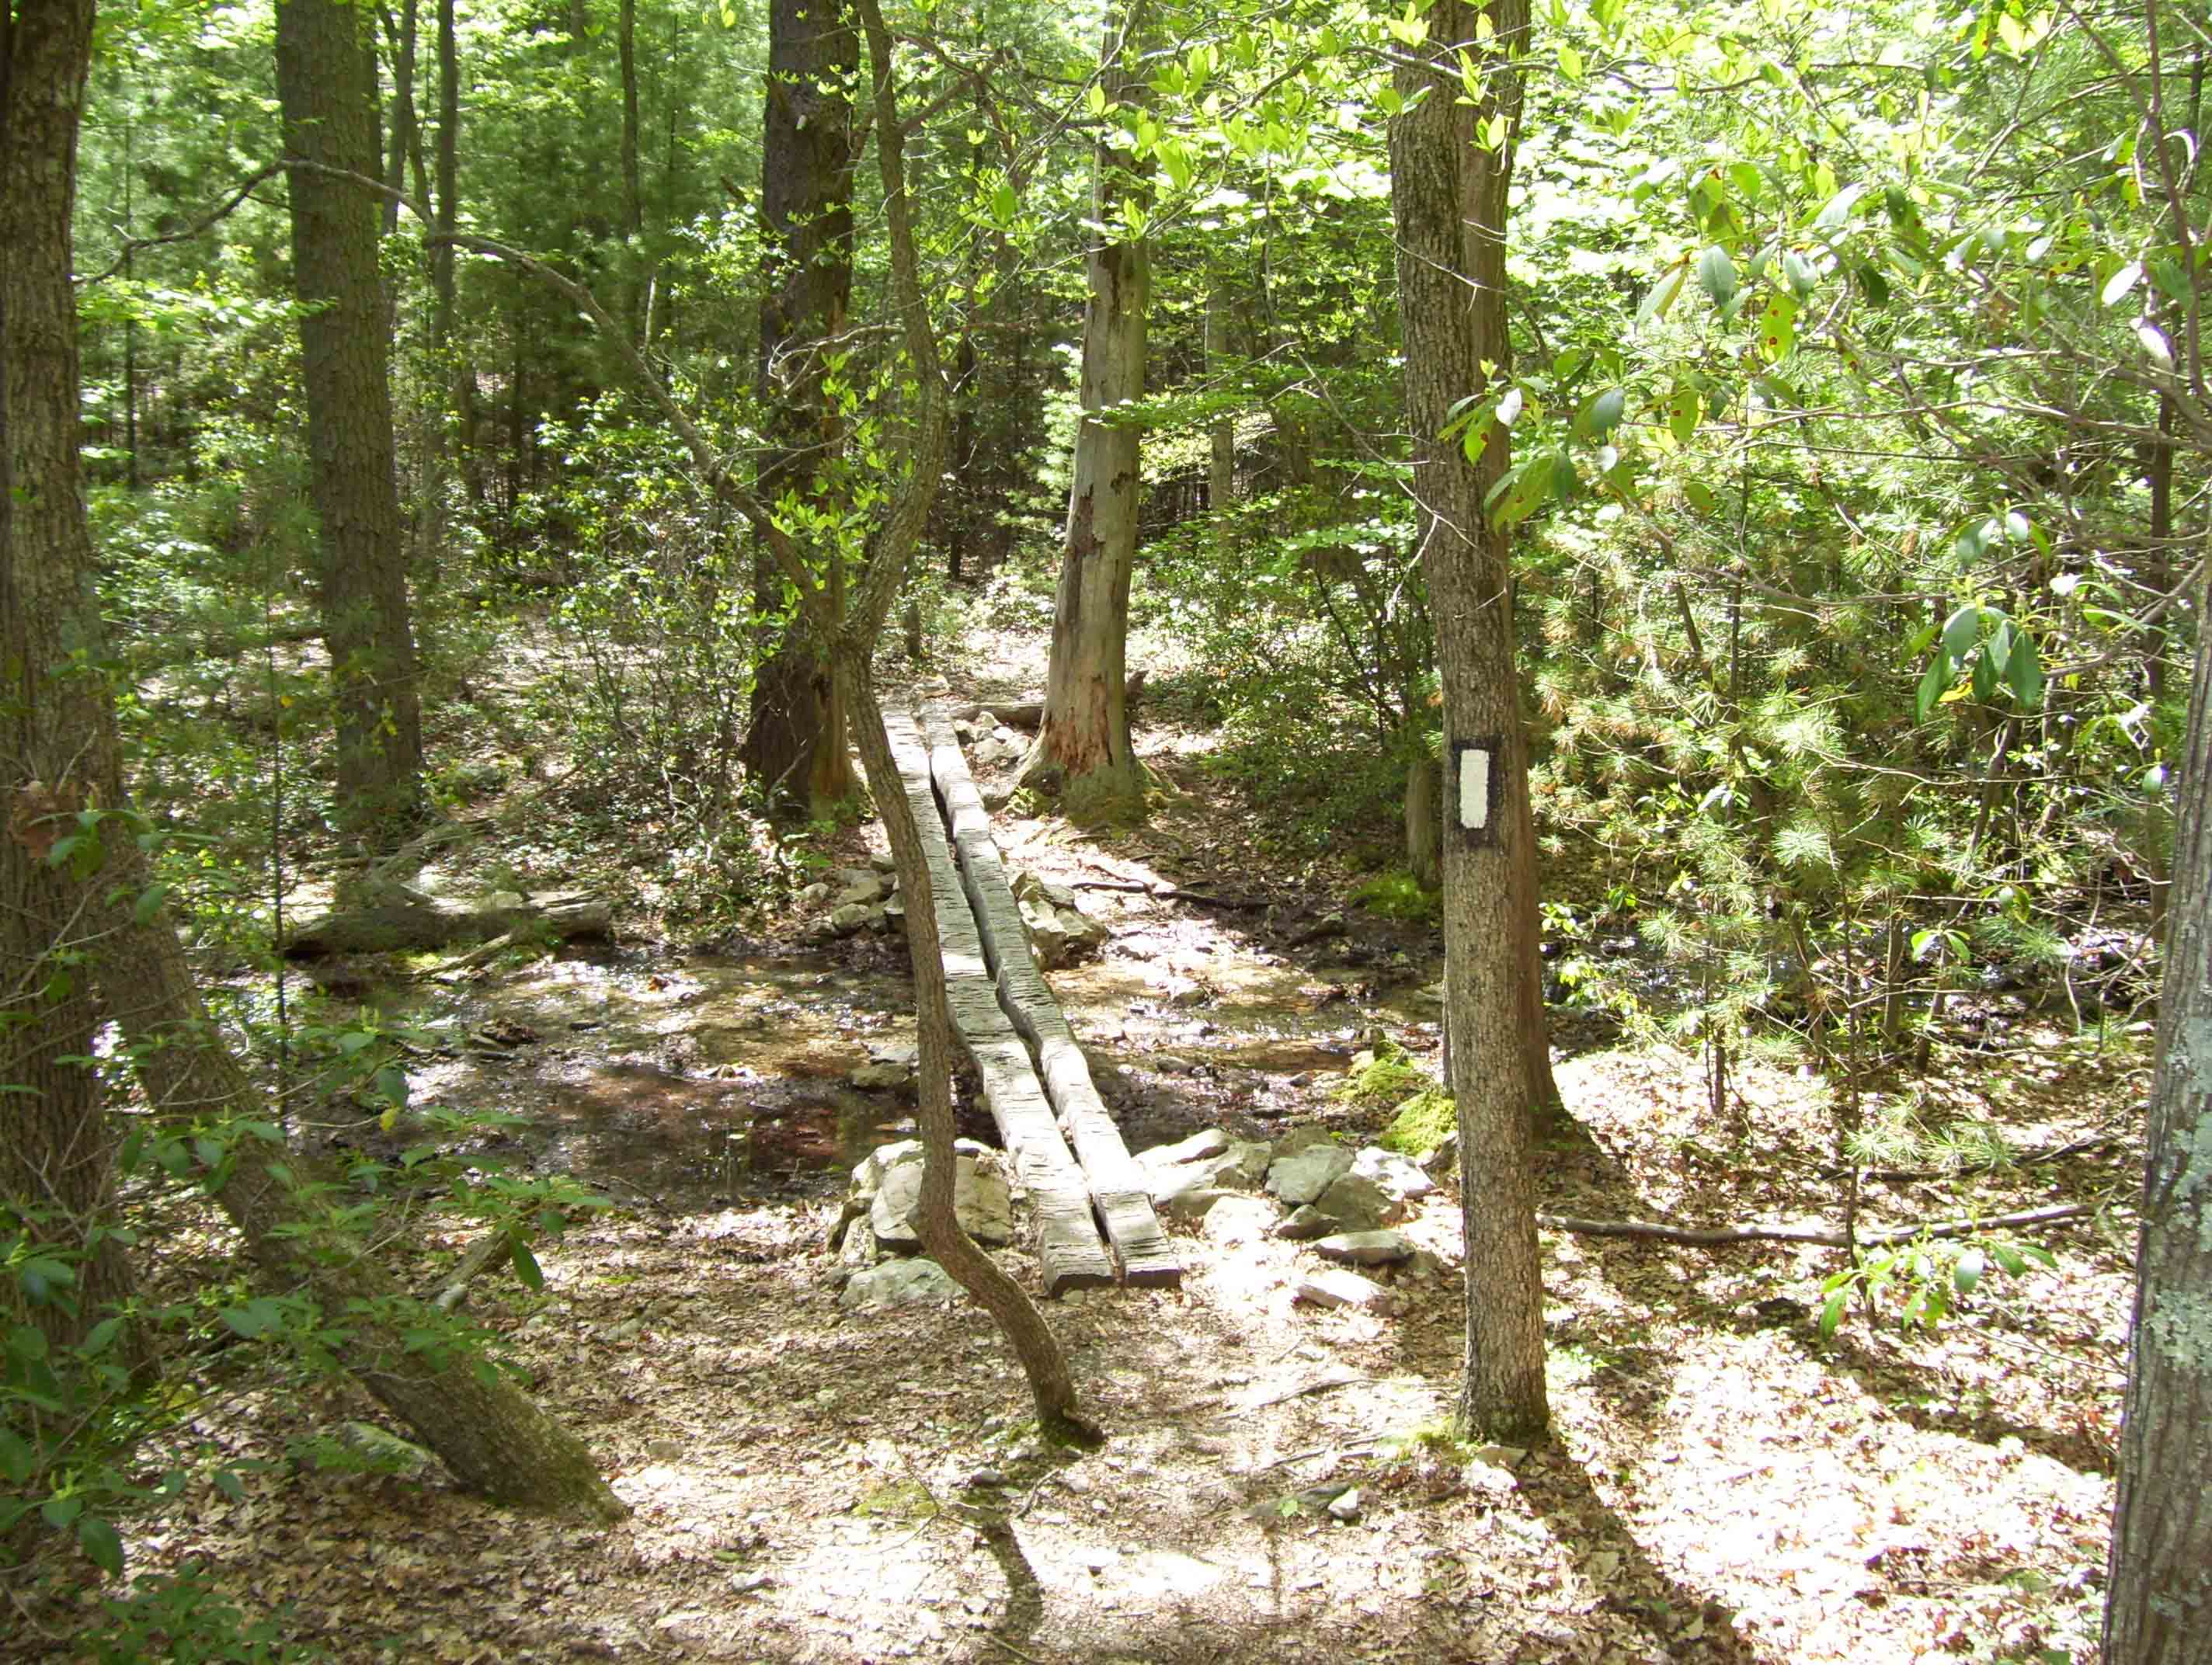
1449 199
1083 749
2159 1610
325 81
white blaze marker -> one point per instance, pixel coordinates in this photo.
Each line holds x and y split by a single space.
1474 788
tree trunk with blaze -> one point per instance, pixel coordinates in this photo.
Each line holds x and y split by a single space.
1449 198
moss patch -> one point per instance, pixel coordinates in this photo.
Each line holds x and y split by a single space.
1421 1123
1382 1076
1398 896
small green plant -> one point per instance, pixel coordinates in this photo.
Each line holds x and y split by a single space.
1423 1123
1931 1275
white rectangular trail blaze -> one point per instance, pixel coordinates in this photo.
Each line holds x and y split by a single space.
1474 788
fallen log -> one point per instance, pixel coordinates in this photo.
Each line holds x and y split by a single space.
1811 1231
412 922
1030 713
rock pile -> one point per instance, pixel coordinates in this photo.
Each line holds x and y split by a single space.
1304 1187
877 1224
1339 1200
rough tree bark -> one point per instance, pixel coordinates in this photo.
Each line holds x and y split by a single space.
796 741
2159 1607
1449 198
325 81
494 1438
403 140
1083 749
634 261
55 1167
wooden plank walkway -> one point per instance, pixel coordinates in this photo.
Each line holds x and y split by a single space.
1068 1247
1117 1184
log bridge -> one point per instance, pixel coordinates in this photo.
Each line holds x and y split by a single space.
1035 1080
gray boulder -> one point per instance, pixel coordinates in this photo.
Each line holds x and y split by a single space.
1339 1289
1400 1177
1358 1204
1304 1223
1235 1220
1303 1175
899 1283
1364 1247
981 1201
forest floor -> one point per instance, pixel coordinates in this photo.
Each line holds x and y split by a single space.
813 1484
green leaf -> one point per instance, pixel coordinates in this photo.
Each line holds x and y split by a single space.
1683 411
2024 672
1701 496
1716 272
62 1512
1004 203
101 1542
1777 327
526 1265
2008 1257
1838 208
1832 1311
1601 413
392 1086
1985 676
1662 295
16 1457
150 903
1798 272
1968 1270
1933 682
1962 629
1874 286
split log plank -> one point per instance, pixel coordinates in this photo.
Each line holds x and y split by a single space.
1118 1185
1069 1251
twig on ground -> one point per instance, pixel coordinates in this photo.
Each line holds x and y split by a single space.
1823 1236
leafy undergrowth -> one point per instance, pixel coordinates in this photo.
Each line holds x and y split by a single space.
812 1485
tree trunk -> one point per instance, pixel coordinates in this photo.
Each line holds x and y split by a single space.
1038 1350
1221 462
2158 1609
325 82
56 1169
795 744
1082 748
1424 825
494 1438
403 110
634 261
1448 199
